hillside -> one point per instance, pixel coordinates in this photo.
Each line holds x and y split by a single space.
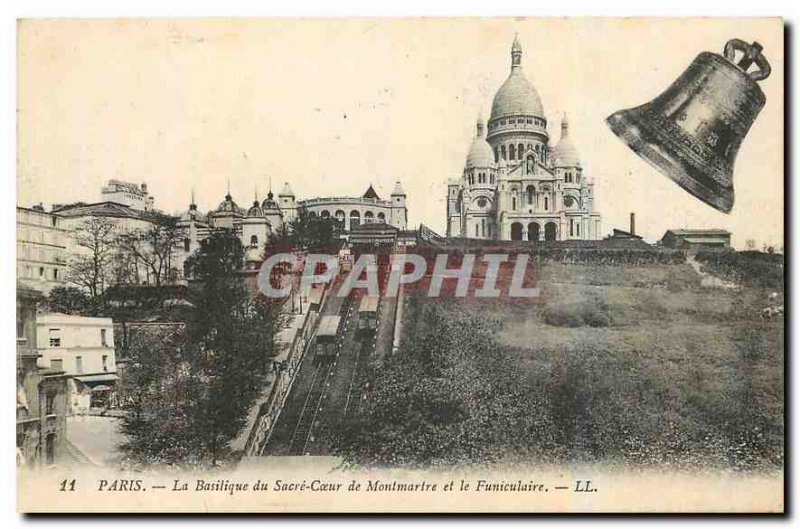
678 367
620 364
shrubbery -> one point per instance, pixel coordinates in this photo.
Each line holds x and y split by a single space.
592 312
756 269
453 394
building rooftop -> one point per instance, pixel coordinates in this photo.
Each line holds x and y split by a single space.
58 317
103 209
371 193
690 232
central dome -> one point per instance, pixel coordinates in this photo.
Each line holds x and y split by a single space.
517 96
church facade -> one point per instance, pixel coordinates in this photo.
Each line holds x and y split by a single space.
514 185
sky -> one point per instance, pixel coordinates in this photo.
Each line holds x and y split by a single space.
334 105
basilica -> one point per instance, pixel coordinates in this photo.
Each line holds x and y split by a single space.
515 186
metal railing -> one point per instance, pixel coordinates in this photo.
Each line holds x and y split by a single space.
270 410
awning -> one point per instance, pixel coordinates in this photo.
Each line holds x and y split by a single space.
92 380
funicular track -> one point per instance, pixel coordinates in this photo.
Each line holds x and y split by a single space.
304 428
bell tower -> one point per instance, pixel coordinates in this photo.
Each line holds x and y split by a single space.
398 215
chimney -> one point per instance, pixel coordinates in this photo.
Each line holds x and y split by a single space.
633 223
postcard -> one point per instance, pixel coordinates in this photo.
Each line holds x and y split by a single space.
358 265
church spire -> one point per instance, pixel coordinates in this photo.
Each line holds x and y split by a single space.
516 53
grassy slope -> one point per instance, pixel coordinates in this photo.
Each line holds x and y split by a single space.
698 368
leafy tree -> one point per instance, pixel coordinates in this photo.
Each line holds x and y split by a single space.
231 343
191 389
449 396
157 392
70 300
315 234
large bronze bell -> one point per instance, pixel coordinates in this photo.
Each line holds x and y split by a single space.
692 131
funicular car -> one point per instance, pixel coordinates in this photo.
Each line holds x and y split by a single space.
325 345
368 315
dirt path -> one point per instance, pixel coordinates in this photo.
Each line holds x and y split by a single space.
708 280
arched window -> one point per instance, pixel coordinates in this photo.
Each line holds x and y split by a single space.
325 214
530 165
491 179
529 192
368 217
514 202
340 217
533 232
254 240
381 217
511 152
355 219
545 203
520 151
496 155
503 151
516 231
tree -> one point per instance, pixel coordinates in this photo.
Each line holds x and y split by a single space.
69 300
192 385
157 392
314 234
154 248
230 343
90 267
451 395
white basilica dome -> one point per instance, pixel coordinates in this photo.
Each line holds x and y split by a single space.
517 96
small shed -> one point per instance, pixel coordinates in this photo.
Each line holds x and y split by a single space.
695 239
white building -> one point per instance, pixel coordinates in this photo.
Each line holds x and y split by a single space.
254 225
515 185
84 348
